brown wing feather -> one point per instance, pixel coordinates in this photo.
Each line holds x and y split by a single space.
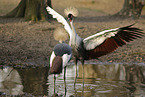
108 46
56 65
125 34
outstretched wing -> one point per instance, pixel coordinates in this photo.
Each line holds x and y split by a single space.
95 40
60 19
107 41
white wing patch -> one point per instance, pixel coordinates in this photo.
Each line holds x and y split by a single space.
51 58
95 40
60 19
66 59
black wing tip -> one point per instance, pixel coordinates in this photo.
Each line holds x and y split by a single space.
129 33
131 25
132 29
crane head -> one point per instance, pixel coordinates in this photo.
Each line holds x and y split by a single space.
70 13
70 17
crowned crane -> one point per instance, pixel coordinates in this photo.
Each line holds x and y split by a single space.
96 45
60 56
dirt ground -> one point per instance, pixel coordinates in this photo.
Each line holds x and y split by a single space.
23 42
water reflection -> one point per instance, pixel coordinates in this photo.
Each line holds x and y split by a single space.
23 81
131 73
114 79
10 81
104 80
100 80
34 80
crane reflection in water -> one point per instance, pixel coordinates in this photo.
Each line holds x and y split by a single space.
104 80
100 80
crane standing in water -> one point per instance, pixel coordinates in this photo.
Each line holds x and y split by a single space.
97 45
60 56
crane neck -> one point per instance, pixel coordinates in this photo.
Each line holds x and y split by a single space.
73 28
75 39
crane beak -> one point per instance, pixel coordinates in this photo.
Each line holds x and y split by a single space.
69 19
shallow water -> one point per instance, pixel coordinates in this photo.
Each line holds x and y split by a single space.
101 80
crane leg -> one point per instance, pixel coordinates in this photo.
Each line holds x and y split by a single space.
65 80
76 73
83 76
83 72
54 83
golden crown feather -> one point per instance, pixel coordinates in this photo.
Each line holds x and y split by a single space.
60 34
71 10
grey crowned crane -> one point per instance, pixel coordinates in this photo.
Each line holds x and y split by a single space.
99 44
60 56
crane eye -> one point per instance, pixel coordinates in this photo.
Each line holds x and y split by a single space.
70 16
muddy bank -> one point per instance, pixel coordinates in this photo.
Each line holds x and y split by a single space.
28 42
